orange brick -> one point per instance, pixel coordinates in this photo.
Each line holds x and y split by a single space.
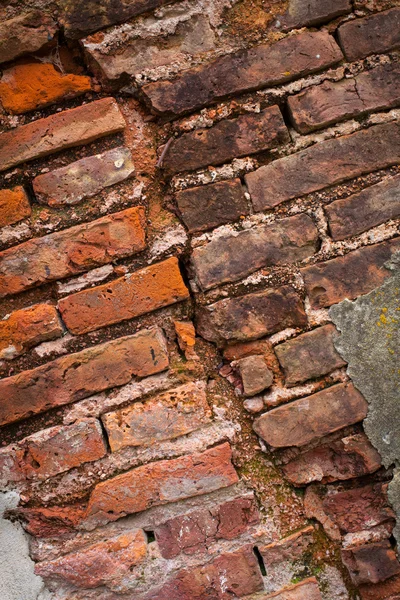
14 206
25 328
141 292
30 86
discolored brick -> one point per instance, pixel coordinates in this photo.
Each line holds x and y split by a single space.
249 69
371 35
211 205
80 375
307 419
141 292
14 206
80 248
301 14
83 178
222 260
256 376
324 164
251 317
228 139
371 563
309 355
73 127
24 34
348 276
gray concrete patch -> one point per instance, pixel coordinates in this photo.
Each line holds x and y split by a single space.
369 341
17 578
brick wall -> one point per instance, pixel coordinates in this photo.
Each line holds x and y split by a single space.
186 188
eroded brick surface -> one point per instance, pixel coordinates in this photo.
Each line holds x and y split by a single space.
24 34
371 35
300 14
371 563
14 206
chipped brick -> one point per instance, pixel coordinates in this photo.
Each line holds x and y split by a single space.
371 35
256 376
80 248
14 206
141 292
371 563
25 34
288 549
307 589
79 375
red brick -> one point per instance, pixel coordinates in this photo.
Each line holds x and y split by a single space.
208 206
130 296
55 450
285 241
371 35
83 178
25 34
228 139
353 456
256 377
324 164
30 86
80 375
307 419
301 14
371 563
251 317
52 522
167 416
329 102
98 564
305 590
25 328
230 575
14 206
62 130
364 210
72 251
197 530
386 590
288 549
308 356
250 69
161 482
348 276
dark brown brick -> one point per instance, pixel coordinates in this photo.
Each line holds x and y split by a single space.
24 34
324 164
208 206
308 356
228 139
371 563
368 208
329 102
314 12
285 241
371 35
305 420
251 317
250 69
80 375
348 276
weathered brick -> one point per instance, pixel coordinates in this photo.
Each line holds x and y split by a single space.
349 276
389 590
141 292
350 457
250 69
251 317
305 590
24 34
68 252
368 208
73 127
30 86
14 206
307 419
186 337
82 374
371 563
167 416
98 564
211 205
55 450
286 241
255 374
52 521
329 102
308 356
83 178
197 530
228 139
162 482
230 575
324 164
27 327
301 14
79 17
370 35
288 549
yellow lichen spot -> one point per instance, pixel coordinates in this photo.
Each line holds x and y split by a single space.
383 319
384 310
